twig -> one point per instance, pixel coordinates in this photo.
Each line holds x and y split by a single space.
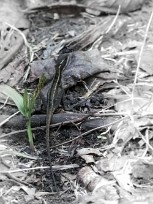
57 167
147 139
5 153
90 131
21 33
43 127
120 53
7 119
16 180
143 138
5 102
115 19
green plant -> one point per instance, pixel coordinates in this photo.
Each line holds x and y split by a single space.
25 103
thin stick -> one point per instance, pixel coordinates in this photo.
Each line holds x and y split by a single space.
7 119
90 131
5 102
21 33
115 19
56 167
144 139
43 127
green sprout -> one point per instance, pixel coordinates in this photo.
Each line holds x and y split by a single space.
25 103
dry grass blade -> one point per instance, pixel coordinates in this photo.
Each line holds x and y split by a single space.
140 55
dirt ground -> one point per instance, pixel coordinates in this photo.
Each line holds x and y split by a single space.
101 133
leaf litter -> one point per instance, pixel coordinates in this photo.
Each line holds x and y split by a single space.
115 140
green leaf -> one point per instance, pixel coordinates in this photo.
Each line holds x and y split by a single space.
30 135
14 95
25 101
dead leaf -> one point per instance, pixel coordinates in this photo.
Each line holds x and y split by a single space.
112 6
3 147
88 154
142 171
124 133
115 163
141 103
11 40
11 13
124 180
147 60
92 151
30 193
81 65
88 158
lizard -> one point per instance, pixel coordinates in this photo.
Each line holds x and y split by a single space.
61 64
